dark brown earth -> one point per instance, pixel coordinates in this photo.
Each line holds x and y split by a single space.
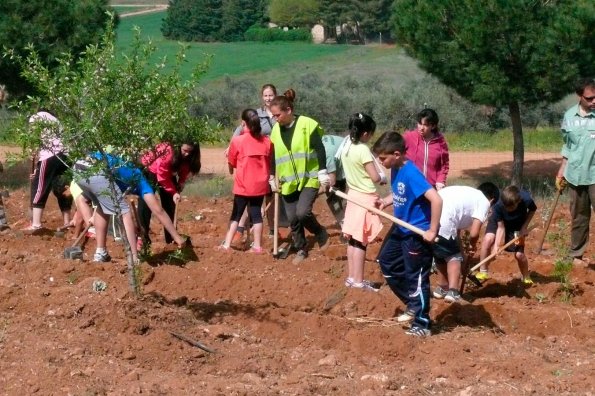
277 328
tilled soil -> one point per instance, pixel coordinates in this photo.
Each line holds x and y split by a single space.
276 328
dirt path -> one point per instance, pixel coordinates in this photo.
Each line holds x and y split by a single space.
462 164
157 8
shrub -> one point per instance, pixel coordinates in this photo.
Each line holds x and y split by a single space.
262 34
330 99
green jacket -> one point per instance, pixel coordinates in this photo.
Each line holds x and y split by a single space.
578 133
296 166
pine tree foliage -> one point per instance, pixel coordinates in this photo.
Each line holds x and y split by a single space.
501 53
52 26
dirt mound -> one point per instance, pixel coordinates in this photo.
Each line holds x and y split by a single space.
275 328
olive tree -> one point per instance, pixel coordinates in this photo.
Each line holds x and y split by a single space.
102 100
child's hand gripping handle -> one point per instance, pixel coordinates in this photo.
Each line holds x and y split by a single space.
491 256
379 212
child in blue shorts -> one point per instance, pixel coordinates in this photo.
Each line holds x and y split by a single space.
406 258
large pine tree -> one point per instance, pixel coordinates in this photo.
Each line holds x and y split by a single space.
502 53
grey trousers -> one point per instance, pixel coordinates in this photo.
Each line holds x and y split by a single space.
298 208
582 201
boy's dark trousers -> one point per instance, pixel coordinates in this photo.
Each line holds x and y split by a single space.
405 261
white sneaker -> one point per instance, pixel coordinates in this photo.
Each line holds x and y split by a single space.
406 316
102 257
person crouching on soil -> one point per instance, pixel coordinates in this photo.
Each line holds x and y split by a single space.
511 215
250 156
406 258
300 165
360 226
168 168
128 180
463 208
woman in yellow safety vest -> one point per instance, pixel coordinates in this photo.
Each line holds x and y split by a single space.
300 167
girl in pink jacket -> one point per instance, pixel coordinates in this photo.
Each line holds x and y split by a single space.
427 148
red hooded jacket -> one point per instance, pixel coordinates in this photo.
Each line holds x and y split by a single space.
430 157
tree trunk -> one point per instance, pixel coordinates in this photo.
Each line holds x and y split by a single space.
518 149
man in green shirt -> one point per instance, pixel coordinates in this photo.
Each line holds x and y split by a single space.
578 166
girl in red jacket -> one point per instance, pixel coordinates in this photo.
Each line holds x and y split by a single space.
427 148
169 168
249 154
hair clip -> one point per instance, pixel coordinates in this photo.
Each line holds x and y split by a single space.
360 116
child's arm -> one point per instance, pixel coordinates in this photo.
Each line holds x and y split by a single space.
382 203
523 231
436 210
499 240
372 172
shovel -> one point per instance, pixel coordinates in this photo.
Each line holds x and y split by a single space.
279 252
75 252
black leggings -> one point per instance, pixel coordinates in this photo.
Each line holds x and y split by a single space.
49 178
253 203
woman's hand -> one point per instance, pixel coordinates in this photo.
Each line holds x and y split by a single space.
177 197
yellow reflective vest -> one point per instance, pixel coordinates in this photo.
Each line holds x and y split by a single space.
297 166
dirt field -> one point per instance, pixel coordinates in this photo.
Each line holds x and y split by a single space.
276 328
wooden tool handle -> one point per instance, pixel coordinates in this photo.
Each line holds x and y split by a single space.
547 224
379 212
276 225
491 256
81 236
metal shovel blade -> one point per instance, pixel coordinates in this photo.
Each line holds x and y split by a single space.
73 253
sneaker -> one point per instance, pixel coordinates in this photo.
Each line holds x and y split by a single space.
406 316
348 282
439 292
300 256
322 239
482 276
452 296
416 331
222 248
365 285
527 281
102 257
33 230
257 250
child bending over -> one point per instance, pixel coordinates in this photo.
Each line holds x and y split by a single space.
512 214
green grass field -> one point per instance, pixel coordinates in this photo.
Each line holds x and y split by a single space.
278 62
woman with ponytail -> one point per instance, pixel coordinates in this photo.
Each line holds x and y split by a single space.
300 167
249 155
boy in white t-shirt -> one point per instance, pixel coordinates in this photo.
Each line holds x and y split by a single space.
463 208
